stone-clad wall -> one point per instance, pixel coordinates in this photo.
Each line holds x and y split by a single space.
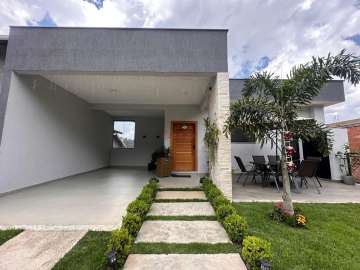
219 107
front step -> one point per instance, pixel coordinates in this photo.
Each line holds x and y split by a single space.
178 195
182 209
182 232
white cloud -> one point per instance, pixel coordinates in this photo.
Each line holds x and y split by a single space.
287 32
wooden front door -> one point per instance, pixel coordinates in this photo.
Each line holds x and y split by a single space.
183 146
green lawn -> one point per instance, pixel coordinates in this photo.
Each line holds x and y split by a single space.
8 234
88 253
331 240
192 248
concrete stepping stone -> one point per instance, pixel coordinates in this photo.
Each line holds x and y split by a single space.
185 195
179 182
184 262
182 209
153 231
37 249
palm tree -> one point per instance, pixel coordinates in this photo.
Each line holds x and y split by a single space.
270 105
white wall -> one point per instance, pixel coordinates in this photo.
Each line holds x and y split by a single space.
150 127
188 113
49 134
340 139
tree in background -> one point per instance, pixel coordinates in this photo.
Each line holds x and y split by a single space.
270 106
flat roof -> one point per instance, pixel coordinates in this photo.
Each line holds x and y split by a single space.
122 28
345 124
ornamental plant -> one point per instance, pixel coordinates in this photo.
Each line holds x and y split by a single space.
281 214
121 242
270 107
132 223
219 200
254 249
138 207
236 227
224 210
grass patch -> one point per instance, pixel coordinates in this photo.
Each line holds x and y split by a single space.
181 189
88 253
330 241
192 248
8 234
186 218
179 200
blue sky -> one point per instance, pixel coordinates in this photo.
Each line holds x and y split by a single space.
269 35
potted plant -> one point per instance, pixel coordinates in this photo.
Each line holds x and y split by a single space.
345 165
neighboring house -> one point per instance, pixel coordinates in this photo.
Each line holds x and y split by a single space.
353 132
62 88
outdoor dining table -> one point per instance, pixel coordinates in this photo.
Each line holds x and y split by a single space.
267 170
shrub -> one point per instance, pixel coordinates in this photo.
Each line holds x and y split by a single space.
213 193
121 242
132 223
220 200
281 214
255 248
236 227
138 207
146 197
224 210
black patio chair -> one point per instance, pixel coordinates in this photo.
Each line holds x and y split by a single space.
275 169
260 168
243 170
319 159
306 172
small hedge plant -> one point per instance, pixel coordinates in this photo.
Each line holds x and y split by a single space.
122 239
224 211
139 208
132 223
254 249
236 227
121 243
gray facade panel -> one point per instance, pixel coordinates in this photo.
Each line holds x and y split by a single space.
331 93
116 50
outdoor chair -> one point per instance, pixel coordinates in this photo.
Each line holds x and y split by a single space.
306 172
274 169
243 170
319 159
260 168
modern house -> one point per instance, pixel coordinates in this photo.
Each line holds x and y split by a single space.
63 88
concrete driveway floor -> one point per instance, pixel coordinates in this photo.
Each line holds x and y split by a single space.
96 200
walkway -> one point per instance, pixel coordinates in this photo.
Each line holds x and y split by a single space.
38 250
182 231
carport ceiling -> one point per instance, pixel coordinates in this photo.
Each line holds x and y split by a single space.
134 88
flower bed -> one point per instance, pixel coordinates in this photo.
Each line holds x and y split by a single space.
122 239
253 249
281 214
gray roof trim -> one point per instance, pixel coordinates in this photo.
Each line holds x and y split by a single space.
4 37
124 28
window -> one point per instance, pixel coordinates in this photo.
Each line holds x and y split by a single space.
238 136
124 134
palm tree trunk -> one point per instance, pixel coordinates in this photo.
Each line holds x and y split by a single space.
286 196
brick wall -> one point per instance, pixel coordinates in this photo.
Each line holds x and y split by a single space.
219 109
354 143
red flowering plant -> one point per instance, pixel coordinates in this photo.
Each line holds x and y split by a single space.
281 214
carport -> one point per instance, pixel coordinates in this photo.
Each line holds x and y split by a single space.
91 201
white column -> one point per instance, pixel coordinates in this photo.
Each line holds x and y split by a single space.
219 109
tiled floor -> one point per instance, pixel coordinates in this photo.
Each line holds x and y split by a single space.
331 192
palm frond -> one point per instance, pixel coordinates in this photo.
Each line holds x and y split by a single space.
255 116
262 84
